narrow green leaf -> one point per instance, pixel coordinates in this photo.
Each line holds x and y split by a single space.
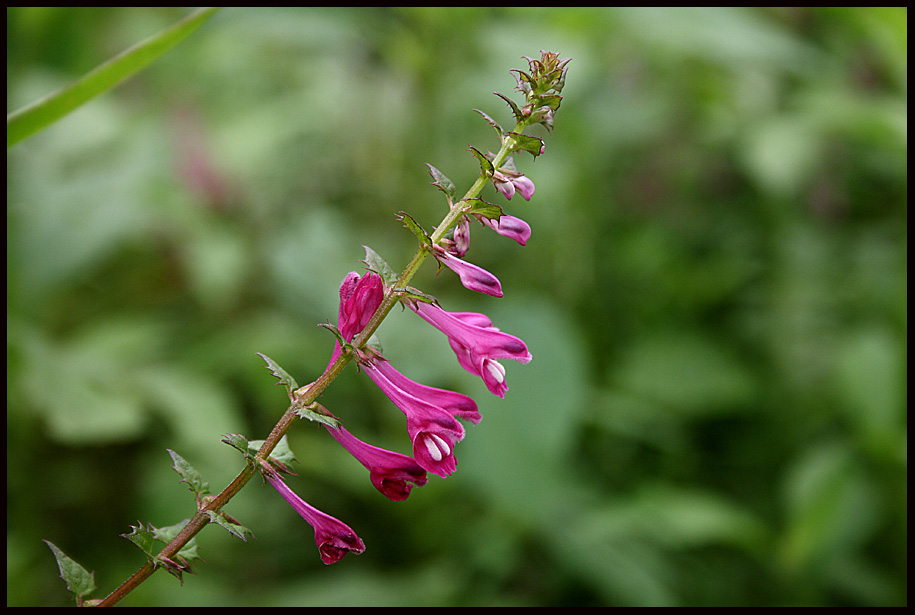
519 116
416 229
79 581
34 117
442 183
233 528
375 263
491 122
285 379
485 164
189 475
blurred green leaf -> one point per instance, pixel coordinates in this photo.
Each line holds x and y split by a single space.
38 115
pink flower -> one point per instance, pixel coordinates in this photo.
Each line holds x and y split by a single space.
359 298
456 404
333 537
507 182
477 344
393 474
472 277
509 226
461 241
433 430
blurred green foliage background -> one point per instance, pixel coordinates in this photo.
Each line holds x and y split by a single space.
714 295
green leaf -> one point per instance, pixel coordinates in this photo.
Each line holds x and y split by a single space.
442 183
281 453
79 581
485 165
519 116
189 475
527 143
38 115
410 293
317 413
491 122
375 263
233 528
143 539
481 208
421 234
166 534
237 441
285 379
549 100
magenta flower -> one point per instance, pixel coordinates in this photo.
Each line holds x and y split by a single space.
477 344
507 182
509 226
393 474
472 277
432 430
359 298
456 404
333 537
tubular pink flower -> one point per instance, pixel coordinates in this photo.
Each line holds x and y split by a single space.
472 277
477 344
455 404
432 430
393 474
509 226
507 182
333 537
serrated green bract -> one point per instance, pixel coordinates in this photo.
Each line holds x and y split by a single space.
189 475
233 528
481 208
79 581
312 412
491 122
237 441
416 229
527 143
442 183
485 164
281 453
375 263
519 116
166 534
143 539
284 378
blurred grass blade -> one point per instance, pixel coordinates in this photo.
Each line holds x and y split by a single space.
32 118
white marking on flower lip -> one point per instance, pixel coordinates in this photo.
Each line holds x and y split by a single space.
438 448
496 370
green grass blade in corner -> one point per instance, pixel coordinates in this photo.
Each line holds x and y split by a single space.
25 122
